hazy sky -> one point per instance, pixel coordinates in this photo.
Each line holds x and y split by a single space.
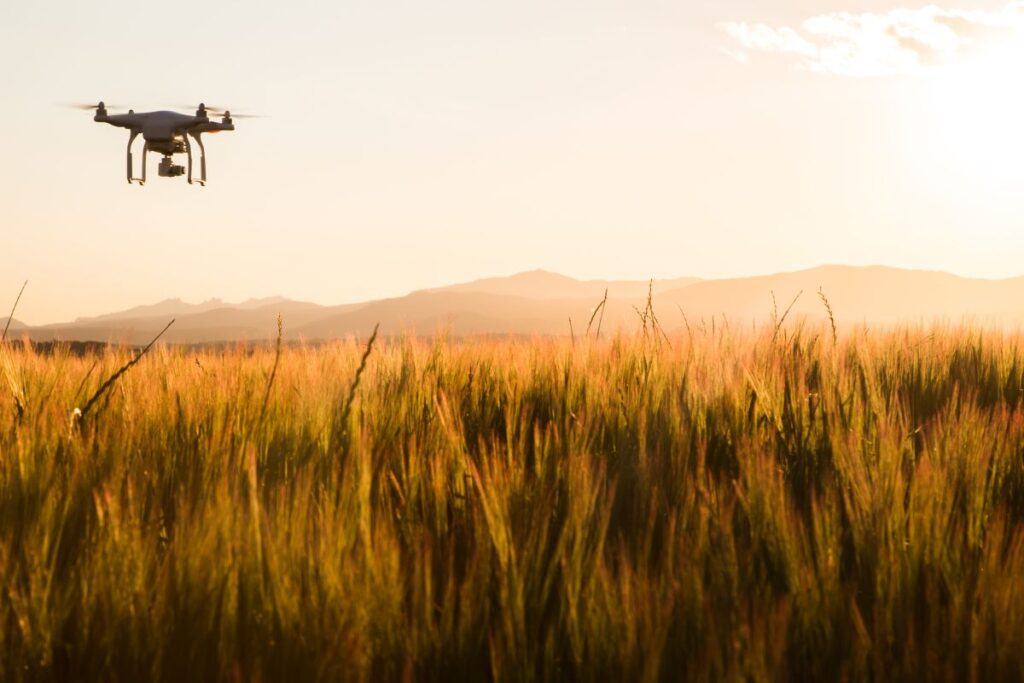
413 144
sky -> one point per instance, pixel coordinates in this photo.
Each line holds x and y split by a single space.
412 144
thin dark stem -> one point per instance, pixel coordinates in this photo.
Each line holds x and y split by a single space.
778 325
125 368
3 338
359 373
273 372
831 316
599 309
686 322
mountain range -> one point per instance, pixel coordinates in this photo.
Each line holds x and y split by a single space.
543 303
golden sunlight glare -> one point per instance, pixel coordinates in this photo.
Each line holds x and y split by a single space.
978 108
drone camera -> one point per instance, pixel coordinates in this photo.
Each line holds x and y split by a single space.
168 169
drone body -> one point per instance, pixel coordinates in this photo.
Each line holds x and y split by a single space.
168 133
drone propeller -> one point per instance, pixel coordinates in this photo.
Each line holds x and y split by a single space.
219 111
89 107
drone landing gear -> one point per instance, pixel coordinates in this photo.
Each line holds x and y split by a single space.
145 152
167 167
201 180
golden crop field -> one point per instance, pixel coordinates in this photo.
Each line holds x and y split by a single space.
723 505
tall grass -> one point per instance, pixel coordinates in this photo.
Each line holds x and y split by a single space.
728 506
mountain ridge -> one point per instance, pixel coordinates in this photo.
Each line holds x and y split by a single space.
11 324
543 302
544 284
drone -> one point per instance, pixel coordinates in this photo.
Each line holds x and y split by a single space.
168 133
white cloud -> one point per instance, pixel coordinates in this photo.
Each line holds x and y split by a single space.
902 41
765 38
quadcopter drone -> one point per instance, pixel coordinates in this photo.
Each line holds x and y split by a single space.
167 132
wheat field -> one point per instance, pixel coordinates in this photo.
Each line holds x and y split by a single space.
776 504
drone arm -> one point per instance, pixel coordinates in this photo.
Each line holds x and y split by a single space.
119 120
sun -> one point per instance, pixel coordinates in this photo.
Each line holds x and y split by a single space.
977 110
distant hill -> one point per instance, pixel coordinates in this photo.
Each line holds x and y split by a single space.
541 284
249 321
872 294
461 313
540 302
14 325
167 308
